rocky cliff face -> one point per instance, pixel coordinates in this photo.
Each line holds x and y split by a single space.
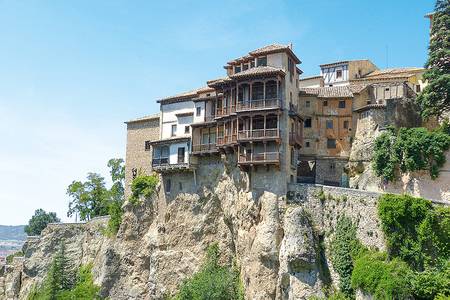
280 242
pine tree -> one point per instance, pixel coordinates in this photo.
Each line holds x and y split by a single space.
434 99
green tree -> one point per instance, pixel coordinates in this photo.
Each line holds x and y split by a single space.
39 221
213 281
434 99
89 198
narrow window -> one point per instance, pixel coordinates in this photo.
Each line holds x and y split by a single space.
308 123
237 69
325 103
181 155
332 166
342 104
261 61
329 124
252 64
338 74
331 143
417 88
198 111
307 144
167 186
174 130
346 124
186 129
180 186
308 103
244 67
147 146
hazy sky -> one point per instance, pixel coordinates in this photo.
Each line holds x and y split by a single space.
71 72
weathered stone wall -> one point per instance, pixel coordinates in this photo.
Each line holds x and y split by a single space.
138 132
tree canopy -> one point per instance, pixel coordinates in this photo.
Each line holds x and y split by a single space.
434 99
39 221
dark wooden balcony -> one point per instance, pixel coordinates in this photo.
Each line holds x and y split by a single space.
295 138
227 140
258 104
259 158
259 134
204 149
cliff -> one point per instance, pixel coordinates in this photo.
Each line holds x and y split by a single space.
280 242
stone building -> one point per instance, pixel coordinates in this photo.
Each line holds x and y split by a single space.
140 133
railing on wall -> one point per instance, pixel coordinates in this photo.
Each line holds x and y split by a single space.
259 133
259 157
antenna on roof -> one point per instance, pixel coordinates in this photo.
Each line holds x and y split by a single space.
290 45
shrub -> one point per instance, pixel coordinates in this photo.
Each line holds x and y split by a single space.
115 218
344 247
415 231
432 282
410 149
143 186
10 258
84 289
383 279
213 281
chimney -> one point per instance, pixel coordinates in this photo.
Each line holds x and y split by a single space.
290 45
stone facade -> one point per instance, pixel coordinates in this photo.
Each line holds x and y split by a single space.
138 157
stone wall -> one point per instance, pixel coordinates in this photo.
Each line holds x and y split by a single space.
137 158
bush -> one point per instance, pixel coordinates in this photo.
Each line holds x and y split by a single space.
213 281
345 247
383 279
415 231
143 186
10 258
115 218
84 289
431 283
410 149
39 221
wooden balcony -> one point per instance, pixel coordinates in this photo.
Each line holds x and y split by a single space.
226 140
162 165
295 138
204 149
259 158
259 104
259 134
225 111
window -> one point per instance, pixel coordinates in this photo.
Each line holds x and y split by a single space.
167 186
308 123
198 111
174 130
290 97
181 155
331 143
261 61
257 91
308 103
186 129
332 166
292 156
417 88
180 186
237 69
342 104
329 124
338 74
325 103
147 146
271 89
346 124
244 67
252 64
307 144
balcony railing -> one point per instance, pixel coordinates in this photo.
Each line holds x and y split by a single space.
263 157
227 139
204 148
258 104
259 134
160 161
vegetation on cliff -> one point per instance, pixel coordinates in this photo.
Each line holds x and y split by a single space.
213 281
92 198
410 149
39 221
434 99
142 186
63 283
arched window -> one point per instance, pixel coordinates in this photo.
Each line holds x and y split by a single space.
257 91
271 89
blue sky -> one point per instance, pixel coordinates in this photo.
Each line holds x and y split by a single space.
71 72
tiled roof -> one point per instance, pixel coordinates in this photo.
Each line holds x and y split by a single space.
370 106
185 95
393 73
310 77
218 81
272 48
329 92
357 88
262 70
145 118
341 62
